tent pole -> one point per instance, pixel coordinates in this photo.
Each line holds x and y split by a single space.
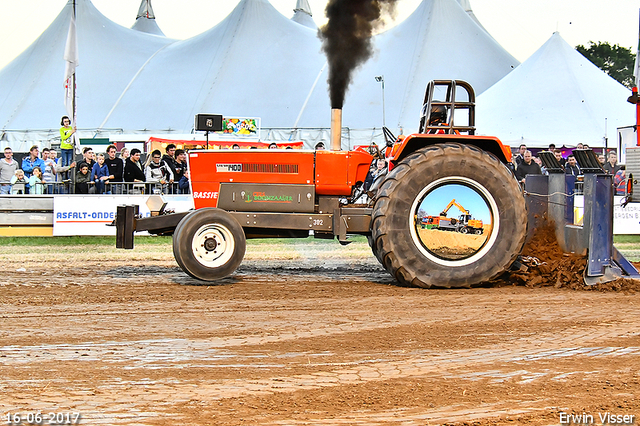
637 123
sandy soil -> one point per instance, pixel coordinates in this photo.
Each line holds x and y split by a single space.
450 244
130 340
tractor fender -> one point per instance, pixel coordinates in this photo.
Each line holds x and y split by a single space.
414 142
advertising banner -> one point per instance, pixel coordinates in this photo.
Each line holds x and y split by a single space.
90 215
625 220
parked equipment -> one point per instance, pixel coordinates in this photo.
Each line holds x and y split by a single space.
465 223
240 194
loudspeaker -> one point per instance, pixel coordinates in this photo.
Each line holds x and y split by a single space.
208 122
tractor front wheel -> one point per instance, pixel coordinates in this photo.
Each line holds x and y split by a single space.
209 244
421 185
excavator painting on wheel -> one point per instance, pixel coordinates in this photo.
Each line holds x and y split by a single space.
240 194
464 223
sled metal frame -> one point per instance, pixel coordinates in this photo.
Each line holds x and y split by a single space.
551 198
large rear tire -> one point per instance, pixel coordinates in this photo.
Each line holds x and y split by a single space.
396 237
209 244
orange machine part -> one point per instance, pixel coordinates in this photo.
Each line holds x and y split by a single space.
338 171
481 141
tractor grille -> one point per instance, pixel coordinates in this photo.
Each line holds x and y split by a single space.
270 168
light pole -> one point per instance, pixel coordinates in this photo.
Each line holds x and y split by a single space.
380 79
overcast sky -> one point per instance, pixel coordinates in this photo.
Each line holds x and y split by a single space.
521 27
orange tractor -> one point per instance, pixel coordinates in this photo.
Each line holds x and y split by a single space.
240 194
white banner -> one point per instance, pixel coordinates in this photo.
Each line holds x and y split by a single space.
625 220
90 215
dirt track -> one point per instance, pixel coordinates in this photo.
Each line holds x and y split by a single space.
134 341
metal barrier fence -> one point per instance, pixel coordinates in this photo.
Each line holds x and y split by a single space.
90 188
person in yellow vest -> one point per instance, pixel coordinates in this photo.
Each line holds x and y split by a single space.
66 142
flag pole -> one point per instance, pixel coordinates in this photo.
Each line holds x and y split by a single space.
635 98
71 59
635 91
75 114
71 62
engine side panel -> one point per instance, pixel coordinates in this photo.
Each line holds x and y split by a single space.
210 168
338 171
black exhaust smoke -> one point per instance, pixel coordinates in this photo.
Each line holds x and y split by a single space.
346 39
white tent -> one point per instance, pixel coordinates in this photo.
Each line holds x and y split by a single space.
556 96
32 85
146 20
255 63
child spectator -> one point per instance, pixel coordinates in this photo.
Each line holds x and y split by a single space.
66 141
183 185
35 181
100 174
53 154
49 172
83 179
18 183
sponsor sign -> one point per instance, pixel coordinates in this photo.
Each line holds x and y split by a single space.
205 194
241 126
625 220
76 215
262 197
226 168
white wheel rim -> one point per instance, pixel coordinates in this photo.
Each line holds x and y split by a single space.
493 207
213 245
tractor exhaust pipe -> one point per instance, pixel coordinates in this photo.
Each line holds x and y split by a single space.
336 129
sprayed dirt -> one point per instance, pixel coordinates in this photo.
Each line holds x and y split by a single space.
545 264
316 340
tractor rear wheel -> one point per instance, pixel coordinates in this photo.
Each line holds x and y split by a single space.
209 244
419 185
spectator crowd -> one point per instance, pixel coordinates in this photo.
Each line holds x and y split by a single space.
104 173
526 164
110 173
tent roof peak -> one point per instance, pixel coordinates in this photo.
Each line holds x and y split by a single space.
303 6
146 11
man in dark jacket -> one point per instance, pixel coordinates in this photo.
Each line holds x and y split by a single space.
133 169
571 168
611 166
527 167
116 169
519 157
181 167
170 159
